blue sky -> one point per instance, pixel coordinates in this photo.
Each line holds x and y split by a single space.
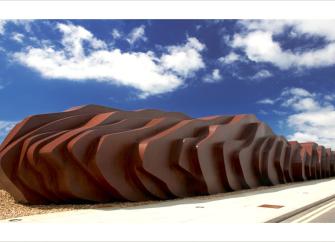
283 71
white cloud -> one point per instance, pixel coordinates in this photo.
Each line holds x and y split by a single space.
214 77
315 125
26 23
116 34
329 97
73 38
2 26
230 58
262 74
18 37
303 137
296 91
305 104
274 26
298 99
144 71
259 45
266 101
137 34
5 127
184 59
321 117
216 74
295 97
311 118
324 28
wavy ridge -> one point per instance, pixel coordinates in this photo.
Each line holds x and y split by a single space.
99 154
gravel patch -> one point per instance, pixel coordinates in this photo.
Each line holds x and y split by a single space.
9 208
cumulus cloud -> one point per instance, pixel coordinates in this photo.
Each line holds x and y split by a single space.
73 38
311 117
215 76
262 74
5 127
296 91
298 99
18 37
316 125
305 104
137 34
144 71
258 43
184 59
310 27
230 58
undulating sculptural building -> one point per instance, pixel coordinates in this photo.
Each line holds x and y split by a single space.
100 154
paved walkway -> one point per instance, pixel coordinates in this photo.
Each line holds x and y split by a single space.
248 206
323 213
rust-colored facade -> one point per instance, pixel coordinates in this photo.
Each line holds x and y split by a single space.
100 154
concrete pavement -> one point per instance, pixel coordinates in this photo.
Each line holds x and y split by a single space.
249 206
323 213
